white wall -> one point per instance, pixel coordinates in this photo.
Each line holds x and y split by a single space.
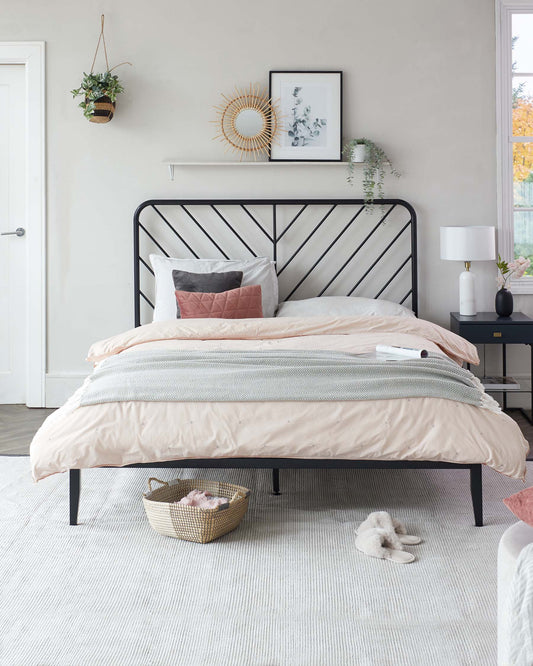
418 78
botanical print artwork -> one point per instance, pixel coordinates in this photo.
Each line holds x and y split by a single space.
306 124
311 116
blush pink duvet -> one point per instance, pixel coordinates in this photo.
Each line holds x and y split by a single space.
402 429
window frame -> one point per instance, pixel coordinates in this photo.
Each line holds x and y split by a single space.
504 152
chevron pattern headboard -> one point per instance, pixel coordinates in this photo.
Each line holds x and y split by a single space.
321 246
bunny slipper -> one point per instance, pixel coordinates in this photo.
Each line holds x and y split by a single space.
383 544
384 521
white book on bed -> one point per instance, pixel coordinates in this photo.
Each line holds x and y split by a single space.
405 352
382 356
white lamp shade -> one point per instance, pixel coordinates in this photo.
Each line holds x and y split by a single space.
467 243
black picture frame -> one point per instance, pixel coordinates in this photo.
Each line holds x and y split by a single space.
279 151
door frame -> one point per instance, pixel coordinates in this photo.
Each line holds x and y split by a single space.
32 56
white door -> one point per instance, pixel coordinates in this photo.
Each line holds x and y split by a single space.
13 278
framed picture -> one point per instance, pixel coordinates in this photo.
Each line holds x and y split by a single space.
310 105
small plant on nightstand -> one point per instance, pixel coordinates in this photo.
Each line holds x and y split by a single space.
503 303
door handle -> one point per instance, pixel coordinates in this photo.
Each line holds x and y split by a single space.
18 232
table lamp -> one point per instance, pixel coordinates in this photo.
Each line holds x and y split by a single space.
467 244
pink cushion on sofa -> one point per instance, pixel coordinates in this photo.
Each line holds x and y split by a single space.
521 504
241 303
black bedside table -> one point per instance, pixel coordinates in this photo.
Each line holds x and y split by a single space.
488 329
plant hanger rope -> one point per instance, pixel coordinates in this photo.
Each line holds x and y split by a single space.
99 90
101 39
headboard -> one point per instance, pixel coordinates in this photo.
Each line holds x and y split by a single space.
321 247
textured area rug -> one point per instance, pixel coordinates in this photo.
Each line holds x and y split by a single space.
286 588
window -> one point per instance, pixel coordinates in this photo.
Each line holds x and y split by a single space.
515 133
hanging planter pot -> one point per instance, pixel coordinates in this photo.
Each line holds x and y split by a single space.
100 90
104 110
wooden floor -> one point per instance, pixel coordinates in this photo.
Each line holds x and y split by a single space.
18 424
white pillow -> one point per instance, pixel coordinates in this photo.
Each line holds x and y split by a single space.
342 306
259 271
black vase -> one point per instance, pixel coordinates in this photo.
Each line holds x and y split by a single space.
504 303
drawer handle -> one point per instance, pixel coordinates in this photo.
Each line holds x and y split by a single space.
497 334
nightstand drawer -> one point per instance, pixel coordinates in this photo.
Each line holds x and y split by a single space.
494 333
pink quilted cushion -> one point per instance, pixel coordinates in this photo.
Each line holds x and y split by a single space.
242 303
521 504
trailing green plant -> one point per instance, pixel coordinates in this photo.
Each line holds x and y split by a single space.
376 165
94 86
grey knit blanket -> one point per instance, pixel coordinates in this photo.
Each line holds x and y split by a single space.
237 376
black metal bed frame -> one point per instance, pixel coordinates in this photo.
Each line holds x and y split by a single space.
276 235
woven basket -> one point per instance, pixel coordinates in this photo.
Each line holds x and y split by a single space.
190 522
104 110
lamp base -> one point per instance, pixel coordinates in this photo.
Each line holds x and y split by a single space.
467 294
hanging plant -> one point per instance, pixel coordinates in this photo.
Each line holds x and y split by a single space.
376 163
99 90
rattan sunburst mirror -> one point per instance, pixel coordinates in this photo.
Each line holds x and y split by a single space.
248 122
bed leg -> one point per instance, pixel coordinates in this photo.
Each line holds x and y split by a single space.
275 482
476 490
74 495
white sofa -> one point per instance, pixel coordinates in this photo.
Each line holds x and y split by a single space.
513 540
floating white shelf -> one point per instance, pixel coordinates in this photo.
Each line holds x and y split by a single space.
171 164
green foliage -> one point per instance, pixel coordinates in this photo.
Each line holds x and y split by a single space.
503 266
374 171
94 86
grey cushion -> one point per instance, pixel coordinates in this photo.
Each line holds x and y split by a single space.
205 283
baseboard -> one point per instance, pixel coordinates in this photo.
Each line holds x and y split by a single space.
60 386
